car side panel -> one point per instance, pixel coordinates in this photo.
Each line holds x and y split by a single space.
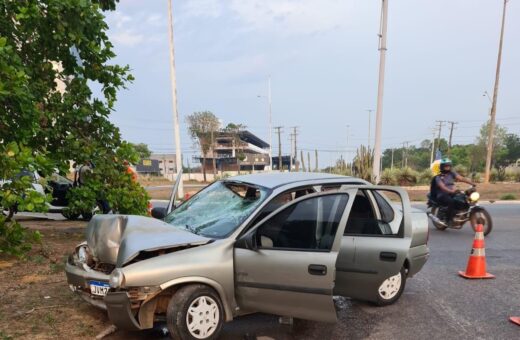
417 257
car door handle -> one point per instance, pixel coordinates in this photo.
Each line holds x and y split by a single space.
317 269
388 256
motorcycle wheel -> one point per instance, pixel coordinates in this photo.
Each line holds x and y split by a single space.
481 216
439 226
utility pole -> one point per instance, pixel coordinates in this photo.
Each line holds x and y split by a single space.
316 159
176 129
279 131
302 160
433 146
376 174
494 103
347 154
405 154
270 122
451 136
441 124
295 134
369 126
291 141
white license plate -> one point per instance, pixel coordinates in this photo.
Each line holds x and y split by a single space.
99 288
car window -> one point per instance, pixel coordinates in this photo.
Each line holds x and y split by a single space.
363 219
280 200
310 224
385 209
218 210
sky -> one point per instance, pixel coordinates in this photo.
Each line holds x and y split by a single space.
322 57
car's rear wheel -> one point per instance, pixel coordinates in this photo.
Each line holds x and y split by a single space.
194 312
391 289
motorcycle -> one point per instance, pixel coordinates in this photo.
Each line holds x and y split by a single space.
467 209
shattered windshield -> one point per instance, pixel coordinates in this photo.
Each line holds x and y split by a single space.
218 210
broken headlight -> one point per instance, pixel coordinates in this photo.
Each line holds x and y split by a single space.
82 254
117 278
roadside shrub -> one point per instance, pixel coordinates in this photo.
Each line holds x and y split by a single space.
513 174
15 239
461 170
425 177
406 177
508 197
476 177
388 177
497 175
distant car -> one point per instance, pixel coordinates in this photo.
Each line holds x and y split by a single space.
280 243
57 186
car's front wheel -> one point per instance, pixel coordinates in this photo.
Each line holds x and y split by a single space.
195 312
391 289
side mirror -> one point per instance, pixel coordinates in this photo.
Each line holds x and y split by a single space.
247 241
159 213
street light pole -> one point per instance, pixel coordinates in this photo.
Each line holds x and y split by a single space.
369 125
491 126
176 129
376 174
270 124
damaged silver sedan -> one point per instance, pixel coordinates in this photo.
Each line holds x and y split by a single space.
282 244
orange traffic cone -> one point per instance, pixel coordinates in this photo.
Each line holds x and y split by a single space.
477 259
515 319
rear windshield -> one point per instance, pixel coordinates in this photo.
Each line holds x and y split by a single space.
218 210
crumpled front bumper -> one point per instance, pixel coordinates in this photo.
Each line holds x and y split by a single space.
117 304
78 280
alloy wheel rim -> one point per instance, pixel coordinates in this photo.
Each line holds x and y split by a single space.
390 287
203 317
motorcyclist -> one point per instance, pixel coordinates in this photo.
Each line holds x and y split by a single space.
445 187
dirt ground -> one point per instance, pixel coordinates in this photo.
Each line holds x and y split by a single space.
36 302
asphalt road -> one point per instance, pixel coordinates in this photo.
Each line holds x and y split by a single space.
436 304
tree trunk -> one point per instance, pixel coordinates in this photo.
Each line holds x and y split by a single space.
214 166
204 167
213 153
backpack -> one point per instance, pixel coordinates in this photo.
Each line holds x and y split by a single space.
433 188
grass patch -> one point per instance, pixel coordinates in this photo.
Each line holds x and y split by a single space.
57 267
508 197
4 336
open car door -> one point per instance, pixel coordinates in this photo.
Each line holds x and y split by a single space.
376 241
285 265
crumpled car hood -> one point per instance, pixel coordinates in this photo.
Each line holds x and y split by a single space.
117 239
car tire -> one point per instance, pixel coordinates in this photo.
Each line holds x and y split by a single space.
391 289
69 215
206 310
